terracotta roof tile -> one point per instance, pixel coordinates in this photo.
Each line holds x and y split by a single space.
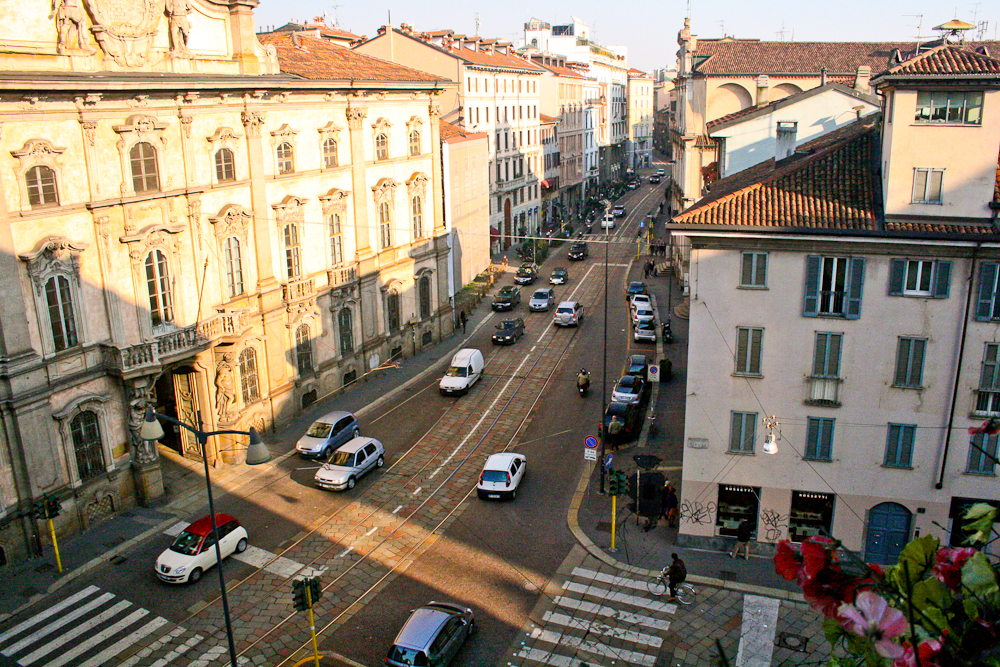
945 60
547 119
453 131
316 58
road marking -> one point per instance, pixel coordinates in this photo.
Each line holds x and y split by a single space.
209 656
626 656
76 632
273 563
345 552
420 488
397 509
596 627
621 616
55 625
612 579
163 640
55 609
760 620
371 531
624 598
113 650
177 528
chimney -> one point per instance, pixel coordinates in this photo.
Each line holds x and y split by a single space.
822 76
381 30
863 78
762 90
296 42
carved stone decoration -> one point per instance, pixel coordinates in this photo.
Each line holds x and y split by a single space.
186 125
70 19
55 254
283 133
253 121
290 209
417 184
125 30
334 201
225 390
139 398
180 27
28 103
381 125
232 220
35 151
140 128
329 131
384 190
138 102
224 134
90 131
356 117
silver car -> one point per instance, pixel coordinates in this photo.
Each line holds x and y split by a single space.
327 433
349 463
542 299
431 635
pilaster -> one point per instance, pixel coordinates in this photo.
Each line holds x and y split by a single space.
362 224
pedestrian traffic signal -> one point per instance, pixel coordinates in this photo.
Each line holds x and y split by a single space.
299 595
38 509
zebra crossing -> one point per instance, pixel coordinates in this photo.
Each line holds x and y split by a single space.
599 618
91 628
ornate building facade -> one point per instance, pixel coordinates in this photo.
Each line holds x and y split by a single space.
224 227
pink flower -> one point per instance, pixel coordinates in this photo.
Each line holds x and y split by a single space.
948 565
871 616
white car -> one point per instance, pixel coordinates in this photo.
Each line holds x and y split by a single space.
542 299
568 314
349 463
645 332
630 389
640 300
642 314
609 221
193 550
501 476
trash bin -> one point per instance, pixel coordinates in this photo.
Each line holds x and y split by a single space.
666 370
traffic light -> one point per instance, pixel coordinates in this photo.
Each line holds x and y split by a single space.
299 595
613 489
52 507
315 591
38 509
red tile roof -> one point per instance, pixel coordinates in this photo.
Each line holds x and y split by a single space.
561 71
452 131
947 60
470 56
324 29
317 58
547 119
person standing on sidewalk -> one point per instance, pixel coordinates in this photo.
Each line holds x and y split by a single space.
463 319
670 505
742 540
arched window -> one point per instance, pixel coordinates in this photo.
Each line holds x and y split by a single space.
329 153
61 316
145 177
385 224
40 182
392 306
414 142
345 322
303 350
286 161
248 376
381 146
86 434
416 208
234 267
424 293
225 165
293 252
336 240
161 300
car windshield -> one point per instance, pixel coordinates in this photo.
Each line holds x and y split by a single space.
341 458
319 430
505 293
186 543
523 271
458 372
494 476
578 246
408 656
540 294
627 383
617 409
507 324
565 311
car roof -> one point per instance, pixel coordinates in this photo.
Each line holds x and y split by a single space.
421 627
629 380
567 304
464 355
354 444
500 461
543 290
203 526
617 407
507 289
561 268
333 417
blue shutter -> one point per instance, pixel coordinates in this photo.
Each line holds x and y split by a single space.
942 279
855 286
811 307
987 291
897 269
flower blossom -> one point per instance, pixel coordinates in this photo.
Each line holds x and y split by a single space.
948 565
871 616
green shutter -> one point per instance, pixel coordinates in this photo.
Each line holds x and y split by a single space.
987 291
811 306
897 269
942 280
855 287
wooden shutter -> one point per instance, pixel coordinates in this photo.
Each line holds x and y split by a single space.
942 280
811 303
897 270
855 286
987 291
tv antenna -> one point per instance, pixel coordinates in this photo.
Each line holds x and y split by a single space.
722 26
336 21
781 33
477 24
920 28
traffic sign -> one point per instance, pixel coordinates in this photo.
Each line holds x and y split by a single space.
590 442
589 454
654 373
608 458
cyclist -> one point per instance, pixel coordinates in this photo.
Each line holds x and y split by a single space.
675 575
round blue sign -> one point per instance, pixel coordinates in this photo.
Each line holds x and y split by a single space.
590 442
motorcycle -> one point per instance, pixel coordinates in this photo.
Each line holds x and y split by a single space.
583 382
667 333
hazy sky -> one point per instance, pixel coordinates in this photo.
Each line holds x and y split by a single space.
649 28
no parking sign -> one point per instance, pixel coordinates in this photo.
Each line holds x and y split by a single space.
654 373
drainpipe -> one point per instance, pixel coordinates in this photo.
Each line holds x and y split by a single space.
958 372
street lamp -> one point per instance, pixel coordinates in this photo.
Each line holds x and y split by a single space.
257 453
604 366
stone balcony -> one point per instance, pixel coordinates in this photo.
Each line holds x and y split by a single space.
299 289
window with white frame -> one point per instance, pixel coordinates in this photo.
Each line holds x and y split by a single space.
982 454
336 239
303 349
286 158
385 225
40 182
293 251
899 445
62 317
927 186
753 269
910 362
85 431
988 395
416 210
225 165
414 142
941 106
748 350
919 277
381 146
249 380
329 153
819 439
234 266
145 175
743 432
158 286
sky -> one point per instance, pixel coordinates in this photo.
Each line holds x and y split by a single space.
649 27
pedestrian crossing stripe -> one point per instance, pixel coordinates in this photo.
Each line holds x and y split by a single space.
617 614
612 579
596 648
597 627
623 598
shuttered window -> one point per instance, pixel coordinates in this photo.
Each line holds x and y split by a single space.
748 348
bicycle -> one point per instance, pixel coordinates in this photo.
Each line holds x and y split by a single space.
685 591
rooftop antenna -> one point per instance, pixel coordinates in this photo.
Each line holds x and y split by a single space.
477 24
781 33
336 21
722 26
688 17
919 26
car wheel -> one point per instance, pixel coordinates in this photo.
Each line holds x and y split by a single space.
380 462
513 494
357 432
351 482
195 575
326 452
241 546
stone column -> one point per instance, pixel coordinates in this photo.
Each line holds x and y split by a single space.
145 457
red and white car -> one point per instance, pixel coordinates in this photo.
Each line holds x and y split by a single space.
193 550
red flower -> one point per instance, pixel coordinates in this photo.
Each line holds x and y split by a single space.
948 565
803 563
830 588
788 560
928 650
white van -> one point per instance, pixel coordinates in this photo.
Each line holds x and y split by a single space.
466 368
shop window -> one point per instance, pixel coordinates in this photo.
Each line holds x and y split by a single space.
736 503
811 515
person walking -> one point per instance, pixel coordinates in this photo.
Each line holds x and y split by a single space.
614 429
463 319
675 575
670 506
503 264
742 540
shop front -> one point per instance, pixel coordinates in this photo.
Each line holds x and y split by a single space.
736 503
811 515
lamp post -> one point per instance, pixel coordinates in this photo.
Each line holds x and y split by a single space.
604 366
257 453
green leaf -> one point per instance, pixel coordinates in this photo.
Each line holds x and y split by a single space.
971 608
934 620
978 577
919 553
833 631
980 519
930 594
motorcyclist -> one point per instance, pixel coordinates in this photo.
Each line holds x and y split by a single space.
583 379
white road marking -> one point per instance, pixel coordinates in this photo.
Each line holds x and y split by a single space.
345 552
621 616
760 620
55 609
597 627
105 634
626 656
176 529
49 628
606 578
371 531
75 632
209 656
624 598
164 639
113 650
420 488
273 563
397 509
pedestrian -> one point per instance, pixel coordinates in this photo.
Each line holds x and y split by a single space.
503 264
670 506
675 575
462 318
614 429
742 540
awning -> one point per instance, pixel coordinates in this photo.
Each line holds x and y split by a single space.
494 232
546 184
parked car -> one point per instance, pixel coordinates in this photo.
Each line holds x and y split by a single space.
655 178
526 274
568 314
465 370
609 221
327 433
578 251
644 332
640 299
509 331
542 299
630 415
634 288
501 475
630 389
619 211
642 313
193 550
507 298
637 364
431 635
560 276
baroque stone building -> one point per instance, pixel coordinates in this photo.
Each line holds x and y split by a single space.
220 226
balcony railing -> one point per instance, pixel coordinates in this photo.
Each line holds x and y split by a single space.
298 289
824 391
342 276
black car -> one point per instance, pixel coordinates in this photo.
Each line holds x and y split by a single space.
509 331
632 185
506 298
638 365
634 288
578 251
559 276
630 417
526 274
654 179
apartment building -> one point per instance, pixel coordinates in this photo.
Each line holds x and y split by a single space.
640 119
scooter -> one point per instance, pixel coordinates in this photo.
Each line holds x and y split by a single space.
667 333
583 382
